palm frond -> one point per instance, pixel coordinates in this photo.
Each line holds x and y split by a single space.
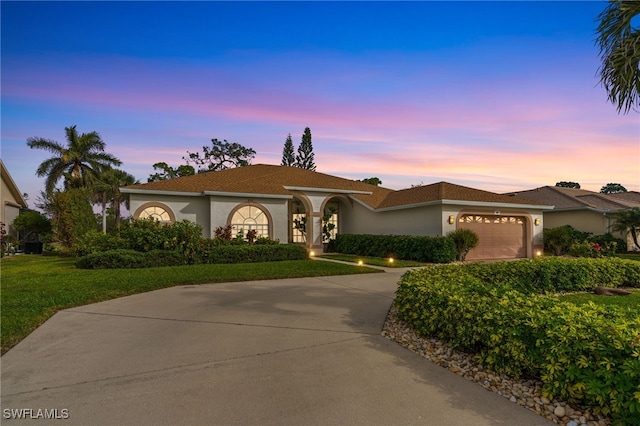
619 46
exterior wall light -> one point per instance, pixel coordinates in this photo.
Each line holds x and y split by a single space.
452 219
537 221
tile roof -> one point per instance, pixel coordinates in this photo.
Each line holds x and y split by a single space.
270 179
571 198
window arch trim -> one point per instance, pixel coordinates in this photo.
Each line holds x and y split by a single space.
259 206
151 204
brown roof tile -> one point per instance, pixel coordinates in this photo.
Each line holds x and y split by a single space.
269 179
571 198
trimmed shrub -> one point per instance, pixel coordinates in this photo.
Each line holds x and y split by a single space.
465 240
245 253
586 354
113 259
422 249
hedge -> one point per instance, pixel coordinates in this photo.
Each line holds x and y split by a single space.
125 258
587 354
253 253
421 249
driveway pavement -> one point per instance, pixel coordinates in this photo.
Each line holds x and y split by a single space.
287 352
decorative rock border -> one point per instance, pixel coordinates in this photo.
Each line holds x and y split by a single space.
527 393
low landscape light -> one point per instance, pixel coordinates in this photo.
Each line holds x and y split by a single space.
312 253
391 260
360 262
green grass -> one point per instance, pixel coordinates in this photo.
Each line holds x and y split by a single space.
631 301
630 256
36 287
374 261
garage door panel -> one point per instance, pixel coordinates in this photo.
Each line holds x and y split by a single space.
500 237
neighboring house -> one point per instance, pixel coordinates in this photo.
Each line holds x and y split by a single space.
270 199
586 211
11 200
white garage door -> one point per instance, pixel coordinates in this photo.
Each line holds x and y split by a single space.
500 237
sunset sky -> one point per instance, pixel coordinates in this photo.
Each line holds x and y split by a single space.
501 96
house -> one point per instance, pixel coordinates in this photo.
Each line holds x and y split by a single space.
271 199
586 211
11 200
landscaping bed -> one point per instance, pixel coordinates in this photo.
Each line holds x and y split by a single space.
502 313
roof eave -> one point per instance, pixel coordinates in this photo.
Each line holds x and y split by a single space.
247 195
328 190
126 190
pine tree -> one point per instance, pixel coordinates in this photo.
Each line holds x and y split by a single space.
288 154
304 159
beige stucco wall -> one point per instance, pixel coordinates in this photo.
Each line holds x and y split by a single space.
417 221
583 220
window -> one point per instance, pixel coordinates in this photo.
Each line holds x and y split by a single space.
157 212
330 222
247 218
299 224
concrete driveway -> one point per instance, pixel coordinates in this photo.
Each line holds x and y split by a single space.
287 352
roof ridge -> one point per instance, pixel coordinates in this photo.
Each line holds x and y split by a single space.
604 197
561 192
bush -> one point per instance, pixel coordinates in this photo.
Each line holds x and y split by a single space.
145 235
124 258
245 253
422 249
97 242
558 240
465 240
586 354
113 259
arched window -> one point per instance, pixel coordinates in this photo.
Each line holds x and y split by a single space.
157 211
250 217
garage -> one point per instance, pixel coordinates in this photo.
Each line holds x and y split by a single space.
500 237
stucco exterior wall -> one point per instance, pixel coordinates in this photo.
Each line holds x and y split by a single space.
194 209
417 221
582 220
222 207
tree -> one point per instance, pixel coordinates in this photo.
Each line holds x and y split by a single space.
107 190
372 181
304 159
565 184
72 215
613 188
220 156
619 44
628 221
78 162
30 223
164 172
288 154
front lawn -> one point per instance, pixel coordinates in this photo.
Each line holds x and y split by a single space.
374 261
36 287
631 301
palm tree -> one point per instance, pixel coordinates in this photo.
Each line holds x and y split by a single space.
107 190
619 44
79 162
628 221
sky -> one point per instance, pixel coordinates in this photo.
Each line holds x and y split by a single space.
500 96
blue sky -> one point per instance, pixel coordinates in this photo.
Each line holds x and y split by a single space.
500 96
